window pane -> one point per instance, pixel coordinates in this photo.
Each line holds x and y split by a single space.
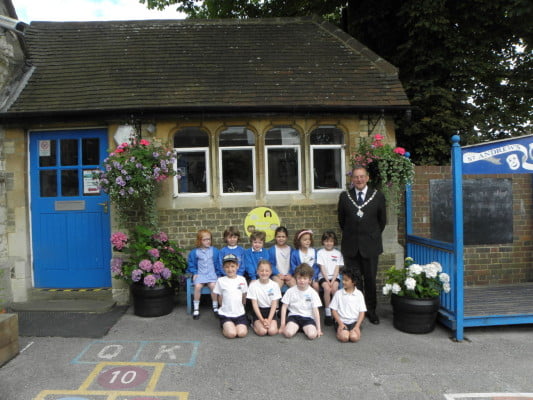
282 136
327 135
47 153
191 137
282 169
327 168
69 182
90 151
48 183
237 136
191 171
237 171
69 152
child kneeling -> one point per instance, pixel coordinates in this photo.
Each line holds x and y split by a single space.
348 309
302 302
232 290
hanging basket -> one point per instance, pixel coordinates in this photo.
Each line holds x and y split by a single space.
414 315
152 301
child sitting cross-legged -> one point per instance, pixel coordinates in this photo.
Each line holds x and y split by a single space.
232 290
302 302
264 294
348 308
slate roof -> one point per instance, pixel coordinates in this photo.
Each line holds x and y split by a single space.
187 65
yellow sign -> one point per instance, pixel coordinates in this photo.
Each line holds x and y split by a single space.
262 219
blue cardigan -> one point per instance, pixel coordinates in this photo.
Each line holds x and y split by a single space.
192 262
295 261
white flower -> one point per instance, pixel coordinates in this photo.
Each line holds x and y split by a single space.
396 288
446 287
437 265
387 289
430 270
415 269
444 277
410 284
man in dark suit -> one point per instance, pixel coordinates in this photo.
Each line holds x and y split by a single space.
362 217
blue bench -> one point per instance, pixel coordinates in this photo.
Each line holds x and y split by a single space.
190 293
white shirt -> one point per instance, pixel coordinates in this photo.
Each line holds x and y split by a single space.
348 305
264 293
231 290
329 259
301 302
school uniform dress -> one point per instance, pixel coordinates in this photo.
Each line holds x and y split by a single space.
298 257
280 259
250 260
204 263
329 259
348 305
231 290
237 251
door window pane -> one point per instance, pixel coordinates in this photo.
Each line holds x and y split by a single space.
327 168
47 153
237 171
69 182
283 174
192 172
69 152
90 151
48 183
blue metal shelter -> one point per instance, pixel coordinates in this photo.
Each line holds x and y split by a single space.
484 158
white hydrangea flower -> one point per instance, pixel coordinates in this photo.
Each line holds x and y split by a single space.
415 269
430 270
387 289
396 288
446 287
410 284
437 266
444 277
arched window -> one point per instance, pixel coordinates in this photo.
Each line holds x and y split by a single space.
327 158
282 161
192 164
237 160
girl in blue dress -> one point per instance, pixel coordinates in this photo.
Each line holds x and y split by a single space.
203 263
304 252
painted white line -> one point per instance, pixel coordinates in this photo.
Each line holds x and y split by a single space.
485 395
27 347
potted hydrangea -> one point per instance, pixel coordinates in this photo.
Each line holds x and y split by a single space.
415 291
152 265
389 169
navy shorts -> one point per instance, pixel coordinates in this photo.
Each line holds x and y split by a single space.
301 321
240 320
265 312
347 327
322 280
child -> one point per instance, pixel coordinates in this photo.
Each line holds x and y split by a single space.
303 252
264 294
280 256
232 290
231 238
302 302
329 260
203 262
254 254
348 308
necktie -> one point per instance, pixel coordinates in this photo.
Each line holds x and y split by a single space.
360 198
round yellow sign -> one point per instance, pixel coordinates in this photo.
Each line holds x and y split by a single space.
262 219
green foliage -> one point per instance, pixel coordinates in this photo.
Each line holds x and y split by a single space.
465 65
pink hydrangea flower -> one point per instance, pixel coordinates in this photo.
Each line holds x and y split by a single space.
144 142
161 237
118 240
149 280
399 150
158 267
136 275
146 265
154 253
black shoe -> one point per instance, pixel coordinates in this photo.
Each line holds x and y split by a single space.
195 315
328 321
372 317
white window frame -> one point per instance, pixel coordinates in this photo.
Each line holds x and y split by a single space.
297 147
204 150
342 161
221 149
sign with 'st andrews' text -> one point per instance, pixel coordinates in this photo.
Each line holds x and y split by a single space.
514 155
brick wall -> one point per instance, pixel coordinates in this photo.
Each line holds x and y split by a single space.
484 264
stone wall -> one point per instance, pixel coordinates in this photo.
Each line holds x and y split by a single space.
484 264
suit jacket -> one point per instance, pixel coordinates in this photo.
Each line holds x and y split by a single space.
362 234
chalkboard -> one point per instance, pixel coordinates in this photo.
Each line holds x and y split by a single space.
487 210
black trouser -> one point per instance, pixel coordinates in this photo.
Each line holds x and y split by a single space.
366 270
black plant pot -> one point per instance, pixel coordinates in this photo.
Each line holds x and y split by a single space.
414 315
152 301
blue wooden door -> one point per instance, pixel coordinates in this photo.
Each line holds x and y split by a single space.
69 216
